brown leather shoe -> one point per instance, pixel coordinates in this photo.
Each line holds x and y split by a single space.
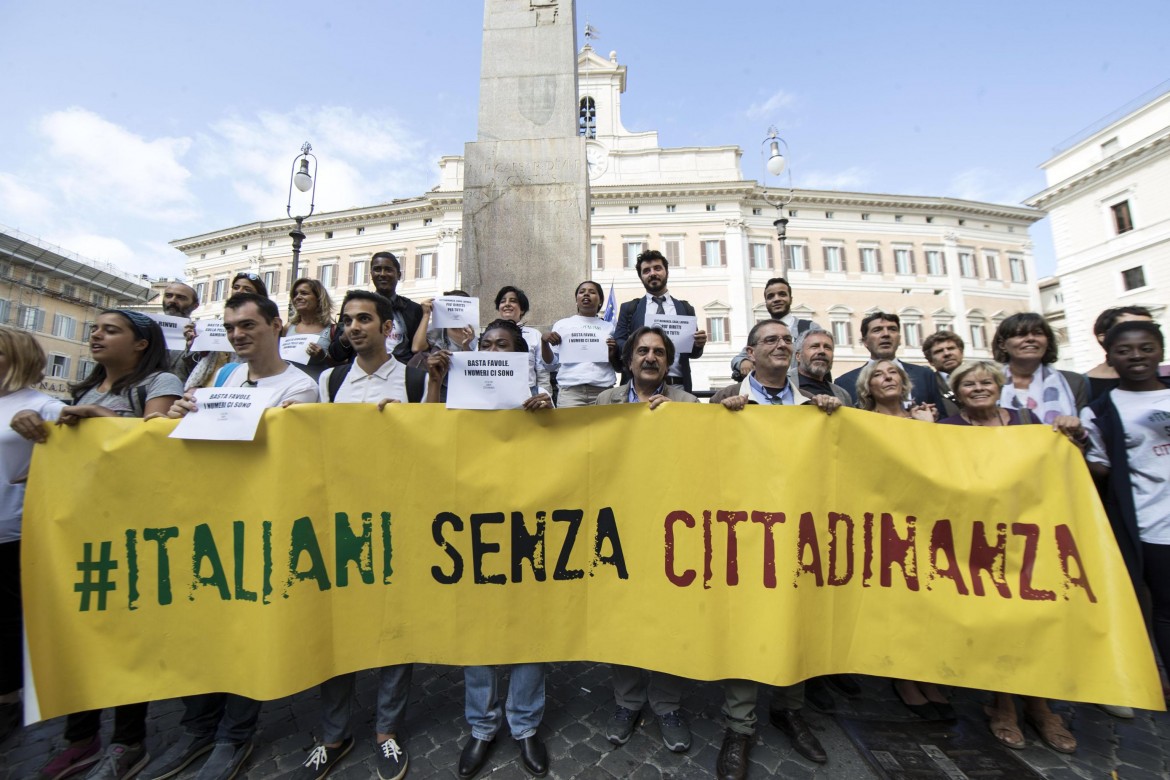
732 761
796 728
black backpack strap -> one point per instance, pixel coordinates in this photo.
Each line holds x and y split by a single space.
415 383
336 379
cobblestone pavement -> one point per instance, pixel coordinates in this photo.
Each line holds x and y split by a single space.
579 702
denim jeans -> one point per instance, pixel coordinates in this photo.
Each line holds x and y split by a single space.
226 716
525 708
337 703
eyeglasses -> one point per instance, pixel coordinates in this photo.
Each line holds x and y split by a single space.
253 277
771 341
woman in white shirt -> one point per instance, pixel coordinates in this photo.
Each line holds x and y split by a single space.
512 305
22 365
580 382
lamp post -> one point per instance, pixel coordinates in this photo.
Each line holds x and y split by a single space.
304 181
776 163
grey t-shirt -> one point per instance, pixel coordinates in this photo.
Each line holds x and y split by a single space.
131 402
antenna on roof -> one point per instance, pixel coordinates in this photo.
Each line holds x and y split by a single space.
591 32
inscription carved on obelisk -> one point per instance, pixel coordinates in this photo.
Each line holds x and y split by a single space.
525 185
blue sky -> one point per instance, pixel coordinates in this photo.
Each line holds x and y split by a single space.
130 124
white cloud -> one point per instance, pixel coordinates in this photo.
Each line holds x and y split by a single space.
365 158
94 162
21 203
854 178
767 109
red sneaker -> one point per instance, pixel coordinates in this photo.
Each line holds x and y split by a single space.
74 758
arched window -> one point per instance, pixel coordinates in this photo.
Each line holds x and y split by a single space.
587 118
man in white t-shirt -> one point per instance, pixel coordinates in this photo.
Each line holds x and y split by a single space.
225 723
374 377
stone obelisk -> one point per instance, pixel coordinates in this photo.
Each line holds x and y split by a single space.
525 184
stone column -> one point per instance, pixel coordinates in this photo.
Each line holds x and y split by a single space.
738 280
525 188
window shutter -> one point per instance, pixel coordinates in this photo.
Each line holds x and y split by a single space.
39 320
722 253
703 252
825 256
877 255
771 260
912 263
601 255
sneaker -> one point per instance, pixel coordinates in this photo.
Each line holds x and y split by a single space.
225 761
321 761
178 756
72 759
621 725
676 733
1117 711
119 762
391 760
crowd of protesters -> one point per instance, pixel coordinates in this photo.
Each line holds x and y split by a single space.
379 349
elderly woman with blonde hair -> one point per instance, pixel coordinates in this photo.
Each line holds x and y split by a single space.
978 386
883 386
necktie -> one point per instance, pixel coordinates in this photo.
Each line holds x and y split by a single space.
659 299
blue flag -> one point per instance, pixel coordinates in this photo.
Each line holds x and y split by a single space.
610 313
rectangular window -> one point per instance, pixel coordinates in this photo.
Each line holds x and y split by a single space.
1133 278
797 257
1016 265
633 209
328 234
69 290
425 266
428 222
5 311
992 261
967 265
219 290
1122 221
84 367
717 329
670 208
272 242
327 275
597 256
834 259
64 327
714 252
673 251
912 334
30 318
630 252
761 256
710 207
97 300
58 366
271 280
869 260
201 290
903 262
757 212
936 263
842 333
978 336
86 329
360 231
357 273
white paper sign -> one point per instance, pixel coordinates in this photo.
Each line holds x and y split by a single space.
488 380
225 414
172 328
585 343
681 330
210 337
294 348
454 311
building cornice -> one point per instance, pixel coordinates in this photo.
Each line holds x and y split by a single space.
909 203
1131 157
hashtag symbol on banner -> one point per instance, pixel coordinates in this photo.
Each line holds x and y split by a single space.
100 568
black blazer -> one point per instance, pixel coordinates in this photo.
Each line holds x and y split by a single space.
923 384
632 315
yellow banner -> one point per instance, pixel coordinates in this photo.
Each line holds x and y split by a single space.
774 544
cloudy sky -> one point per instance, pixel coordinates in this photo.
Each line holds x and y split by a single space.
129 124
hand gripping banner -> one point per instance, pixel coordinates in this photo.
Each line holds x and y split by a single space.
774 544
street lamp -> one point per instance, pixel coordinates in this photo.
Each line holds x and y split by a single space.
776 163
304 181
